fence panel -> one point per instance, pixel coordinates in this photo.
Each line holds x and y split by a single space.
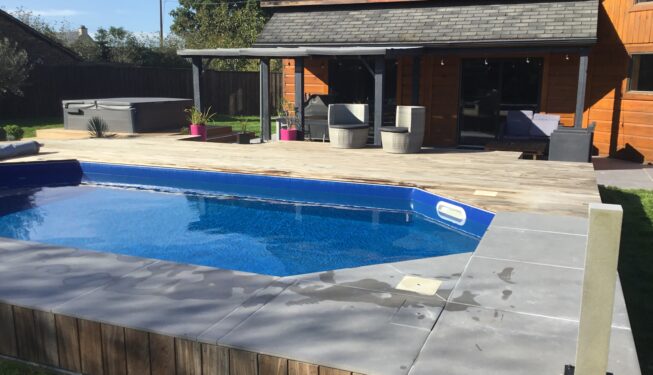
232 93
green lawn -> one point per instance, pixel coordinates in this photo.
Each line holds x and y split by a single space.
18 368
636 265
251 123
30 125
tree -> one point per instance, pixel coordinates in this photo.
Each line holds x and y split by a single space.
220 24
121 46
14 67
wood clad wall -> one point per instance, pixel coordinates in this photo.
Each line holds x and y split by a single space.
439 93
94 348
624 118
316 77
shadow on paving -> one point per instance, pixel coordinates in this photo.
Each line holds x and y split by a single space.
636 265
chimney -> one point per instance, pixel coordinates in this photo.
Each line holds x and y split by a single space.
83 31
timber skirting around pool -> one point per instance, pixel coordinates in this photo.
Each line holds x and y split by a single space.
89 347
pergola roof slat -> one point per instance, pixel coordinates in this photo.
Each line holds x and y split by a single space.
258 52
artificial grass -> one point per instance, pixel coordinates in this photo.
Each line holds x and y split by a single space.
636 265
31 125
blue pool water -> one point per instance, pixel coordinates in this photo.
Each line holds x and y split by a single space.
254 235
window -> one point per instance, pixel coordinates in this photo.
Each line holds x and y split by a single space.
641 75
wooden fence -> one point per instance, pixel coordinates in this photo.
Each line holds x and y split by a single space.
231 93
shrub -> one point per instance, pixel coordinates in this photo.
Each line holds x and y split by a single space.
3 135
14 67
197 117
97 127
14 131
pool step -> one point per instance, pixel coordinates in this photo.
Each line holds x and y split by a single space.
216 131
224 138
227 138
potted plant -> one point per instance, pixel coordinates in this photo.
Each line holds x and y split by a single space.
243 137
198 120
289 133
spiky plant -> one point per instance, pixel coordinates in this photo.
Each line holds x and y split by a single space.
97 127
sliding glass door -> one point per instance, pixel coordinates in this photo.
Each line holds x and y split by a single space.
492 87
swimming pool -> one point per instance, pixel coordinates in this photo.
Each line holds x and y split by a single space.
262 224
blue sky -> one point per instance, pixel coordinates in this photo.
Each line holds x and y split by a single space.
140 16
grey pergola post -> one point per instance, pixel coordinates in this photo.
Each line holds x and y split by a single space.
264 109
379 77
417 69
197 82
299 89
582 85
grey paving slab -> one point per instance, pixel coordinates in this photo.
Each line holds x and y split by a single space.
559 249
626 179
244 311
10 248
528 288
385 277
521 287
348 328
474 340
169 298
43 277
541 222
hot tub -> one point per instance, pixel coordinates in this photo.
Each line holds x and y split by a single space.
127 115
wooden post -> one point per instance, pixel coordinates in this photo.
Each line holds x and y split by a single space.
582 86
379 78
264 110
299 89
598 289
417 70
197 82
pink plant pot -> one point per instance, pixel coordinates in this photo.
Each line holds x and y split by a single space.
288 134
198 129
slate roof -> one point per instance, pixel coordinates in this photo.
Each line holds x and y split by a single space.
438 23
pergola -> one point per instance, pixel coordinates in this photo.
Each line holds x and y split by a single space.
264 54
380 54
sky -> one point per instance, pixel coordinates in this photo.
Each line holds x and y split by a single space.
138 16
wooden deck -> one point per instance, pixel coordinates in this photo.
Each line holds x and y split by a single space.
496 181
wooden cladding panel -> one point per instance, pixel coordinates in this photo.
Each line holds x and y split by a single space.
113 349
26 338
162 354
47 338
302 368
268 365
137 348
316 77
242 362
68 343
188 357
90 344
215 360
8 346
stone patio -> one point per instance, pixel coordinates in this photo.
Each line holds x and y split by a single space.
511 307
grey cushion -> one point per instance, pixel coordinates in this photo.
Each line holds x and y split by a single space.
394 129
16 149
518 123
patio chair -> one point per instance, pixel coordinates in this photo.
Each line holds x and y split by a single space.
348 125
408 134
